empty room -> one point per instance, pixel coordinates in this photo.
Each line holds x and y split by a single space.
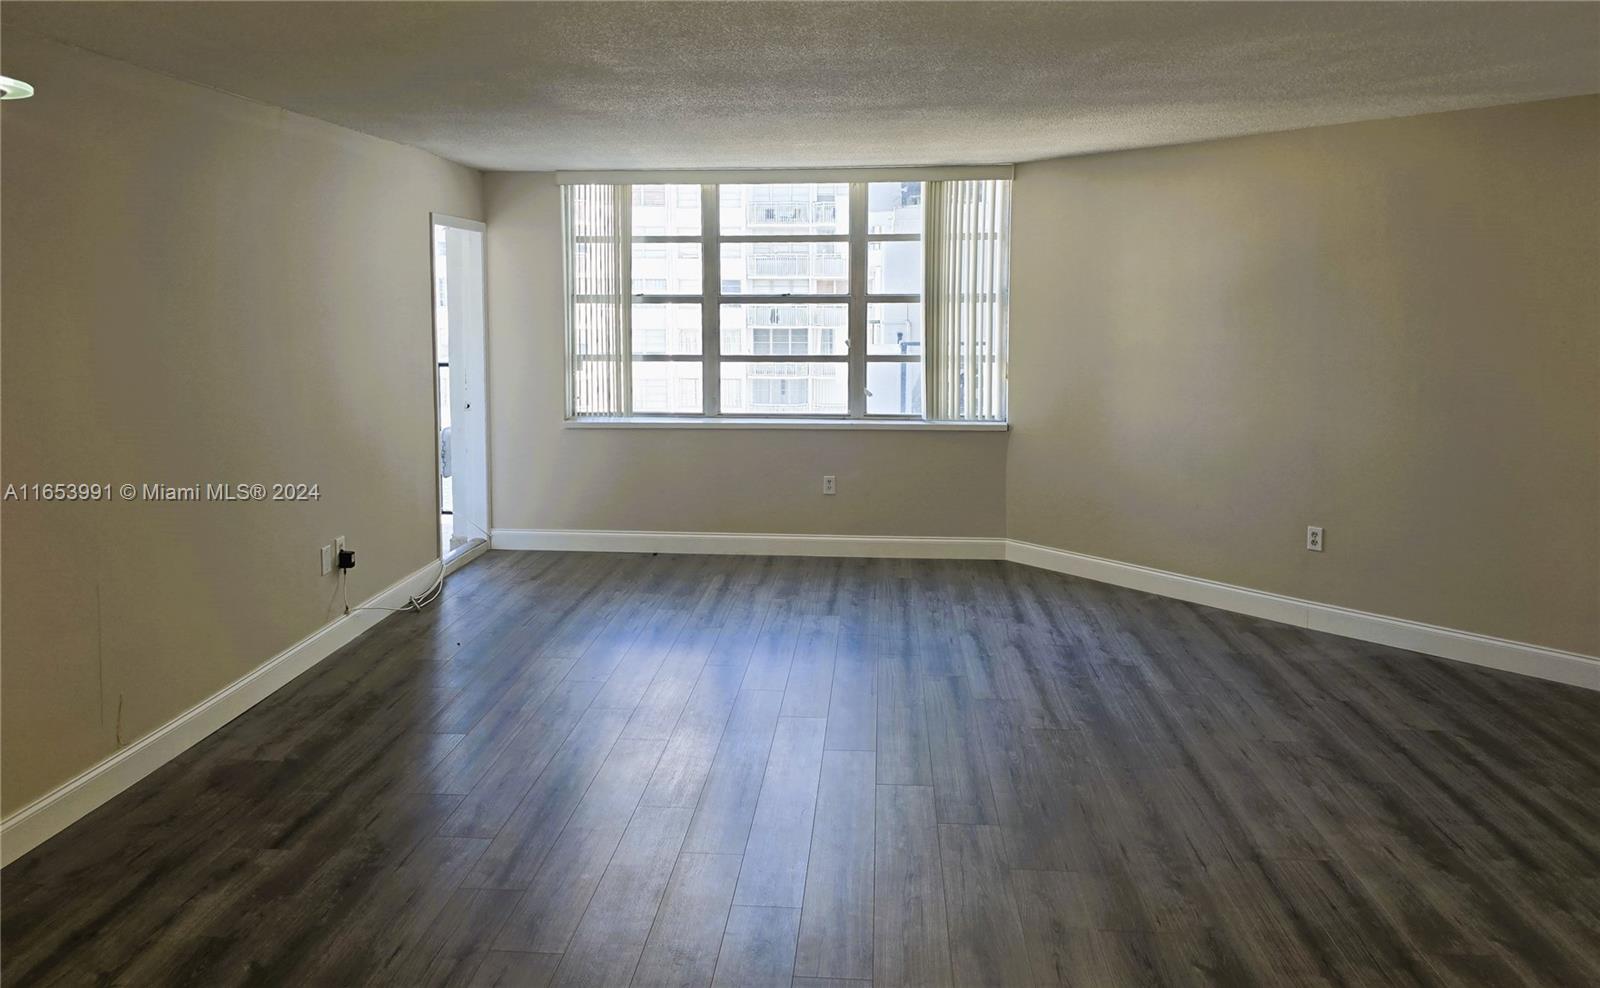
808 494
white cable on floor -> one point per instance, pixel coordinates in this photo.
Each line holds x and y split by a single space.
416 603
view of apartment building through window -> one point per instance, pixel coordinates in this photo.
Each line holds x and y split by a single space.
782 289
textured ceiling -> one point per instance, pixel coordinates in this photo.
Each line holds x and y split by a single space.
613 85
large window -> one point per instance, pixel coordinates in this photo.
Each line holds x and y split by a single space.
800 299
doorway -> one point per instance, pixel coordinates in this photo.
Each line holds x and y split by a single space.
461 407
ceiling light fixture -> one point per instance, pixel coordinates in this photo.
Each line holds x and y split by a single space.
14 88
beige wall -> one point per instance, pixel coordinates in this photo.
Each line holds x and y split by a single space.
1390 329
196 288
546 476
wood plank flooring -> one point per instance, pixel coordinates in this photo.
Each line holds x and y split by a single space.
586 769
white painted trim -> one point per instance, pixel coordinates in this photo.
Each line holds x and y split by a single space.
1571 668
466 555
1558 666
55 811
461 223
481 228
58 809
698 422
1212 594
753 544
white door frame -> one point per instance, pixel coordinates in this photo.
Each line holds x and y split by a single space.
478 226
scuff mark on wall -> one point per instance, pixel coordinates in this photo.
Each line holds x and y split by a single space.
100 650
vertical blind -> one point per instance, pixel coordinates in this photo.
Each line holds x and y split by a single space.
967 298
595 232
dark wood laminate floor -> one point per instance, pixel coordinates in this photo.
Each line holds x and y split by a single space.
686 770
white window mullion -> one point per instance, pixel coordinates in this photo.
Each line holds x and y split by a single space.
857 380
710 301
964 245
785 238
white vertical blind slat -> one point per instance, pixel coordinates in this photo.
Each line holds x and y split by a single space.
966 298
594 218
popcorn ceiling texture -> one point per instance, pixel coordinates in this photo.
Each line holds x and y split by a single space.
533 86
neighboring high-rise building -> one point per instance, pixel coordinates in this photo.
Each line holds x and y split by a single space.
773 327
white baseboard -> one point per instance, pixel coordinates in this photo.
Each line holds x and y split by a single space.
1571 668
1496 653
58 809
755 544
467 555
53 812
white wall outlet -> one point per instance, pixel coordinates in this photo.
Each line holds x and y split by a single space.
338 545
327 560
828 485
1314 538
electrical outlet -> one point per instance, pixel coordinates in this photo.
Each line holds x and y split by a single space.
1314 538
827 485
338 545
327 560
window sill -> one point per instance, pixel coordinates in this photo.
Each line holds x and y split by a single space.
901 425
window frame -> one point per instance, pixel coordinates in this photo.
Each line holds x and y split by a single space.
711 298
